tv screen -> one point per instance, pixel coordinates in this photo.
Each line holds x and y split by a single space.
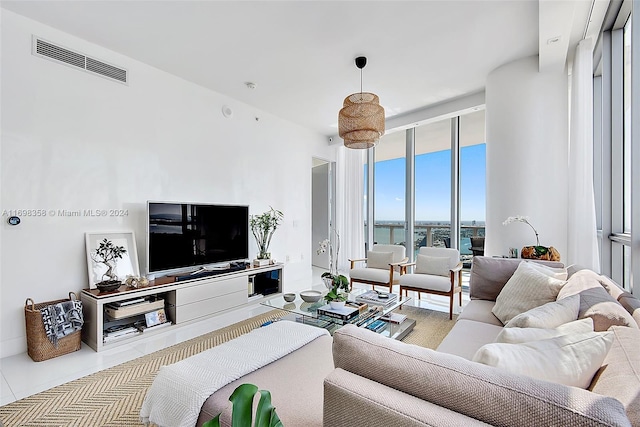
185 235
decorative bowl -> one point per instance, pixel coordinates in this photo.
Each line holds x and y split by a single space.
289 297
311 296
108 286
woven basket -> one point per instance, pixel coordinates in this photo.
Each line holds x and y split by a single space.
39 347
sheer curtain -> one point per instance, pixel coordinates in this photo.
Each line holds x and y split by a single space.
349 205
582 245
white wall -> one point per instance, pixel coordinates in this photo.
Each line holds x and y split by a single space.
527 146
72 140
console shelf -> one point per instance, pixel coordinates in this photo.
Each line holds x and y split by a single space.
184 301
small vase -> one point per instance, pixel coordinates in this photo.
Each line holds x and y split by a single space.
336 304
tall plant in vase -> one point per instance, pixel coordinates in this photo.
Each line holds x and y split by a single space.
337 284
263 226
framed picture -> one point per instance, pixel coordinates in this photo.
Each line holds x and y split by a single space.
98 265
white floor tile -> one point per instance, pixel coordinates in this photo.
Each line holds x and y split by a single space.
6 395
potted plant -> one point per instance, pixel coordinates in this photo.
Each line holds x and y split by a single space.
337 284
107 253
337 295
263 226
534 252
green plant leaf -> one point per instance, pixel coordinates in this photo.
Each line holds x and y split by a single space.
266 414
215 422
242 399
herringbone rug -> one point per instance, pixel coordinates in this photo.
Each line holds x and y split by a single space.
113 397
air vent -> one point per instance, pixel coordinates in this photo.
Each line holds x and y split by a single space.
48 50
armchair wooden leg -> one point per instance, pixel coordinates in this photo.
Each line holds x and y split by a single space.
460 298
350 284
451 308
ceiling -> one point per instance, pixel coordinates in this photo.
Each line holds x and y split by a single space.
300 53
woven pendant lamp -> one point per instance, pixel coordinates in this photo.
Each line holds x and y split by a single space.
361 120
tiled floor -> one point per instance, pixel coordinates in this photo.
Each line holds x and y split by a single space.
21 377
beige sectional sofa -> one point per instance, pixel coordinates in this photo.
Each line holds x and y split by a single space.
363 379
392 383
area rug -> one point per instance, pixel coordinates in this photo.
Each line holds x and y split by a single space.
113 397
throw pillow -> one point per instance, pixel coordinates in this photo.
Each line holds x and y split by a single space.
526 289
437 266
381 260
571 360
520 335
556 273
549 315
595 301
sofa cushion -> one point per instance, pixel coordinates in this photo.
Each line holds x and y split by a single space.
619 376
489 275
480 311
572 360
380 260
549 315
467 336
475 390
520 335
438 266
526 289
595 301
556 273
631 304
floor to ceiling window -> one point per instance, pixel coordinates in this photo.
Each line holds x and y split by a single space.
433 184
613 154
472 184
412 185
389 190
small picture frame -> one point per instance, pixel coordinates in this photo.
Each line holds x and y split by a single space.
122 267
154 318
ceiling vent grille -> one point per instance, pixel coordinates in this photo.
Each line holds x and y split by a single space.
45 49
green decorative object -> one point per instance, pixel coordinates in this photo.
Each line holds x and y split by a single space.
242 409
339 289
263 226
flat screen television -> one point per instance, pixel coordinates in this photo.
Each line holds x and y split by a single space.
186 235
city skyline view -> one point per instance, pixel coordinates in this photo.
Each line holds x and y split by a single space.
433 187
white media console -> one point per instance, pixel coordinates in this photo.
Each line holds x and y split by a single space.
183 301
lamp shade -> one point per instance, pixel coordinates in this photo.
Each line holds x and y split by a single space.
361 120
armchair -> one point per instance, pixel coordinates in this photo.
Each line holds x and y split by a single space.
437 271
382 266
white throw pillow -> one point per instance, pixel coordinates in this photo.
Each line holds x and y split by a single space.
571 360
381 260
526 289
520 335
438 266
556 273
549 315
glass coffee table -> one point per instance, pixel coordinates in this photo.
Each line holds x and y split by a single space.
307 312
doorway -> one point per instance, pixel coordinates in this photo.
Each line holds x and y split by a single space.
322 191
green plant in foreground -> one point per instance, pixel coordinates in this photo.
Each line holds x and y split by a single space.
340 288
242 409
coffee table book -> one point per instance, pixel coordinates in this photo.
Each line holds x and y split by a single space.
377 298
342 313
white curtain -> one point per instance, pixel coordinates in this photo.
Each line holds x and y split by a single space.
582 245
349 205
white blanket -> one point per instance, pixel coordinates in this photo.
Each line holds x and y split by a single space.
179 390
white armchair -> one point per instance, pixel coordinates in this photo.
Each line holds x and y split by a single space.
437 271
382 266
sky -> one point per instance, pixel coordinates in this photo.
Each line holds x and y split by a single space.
433 186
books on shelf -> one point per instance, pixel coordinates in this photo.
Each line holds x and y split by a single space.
394 317
116 312
377 298
144 328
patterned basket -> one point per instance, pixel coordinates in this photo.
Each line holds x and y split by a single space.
39 347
